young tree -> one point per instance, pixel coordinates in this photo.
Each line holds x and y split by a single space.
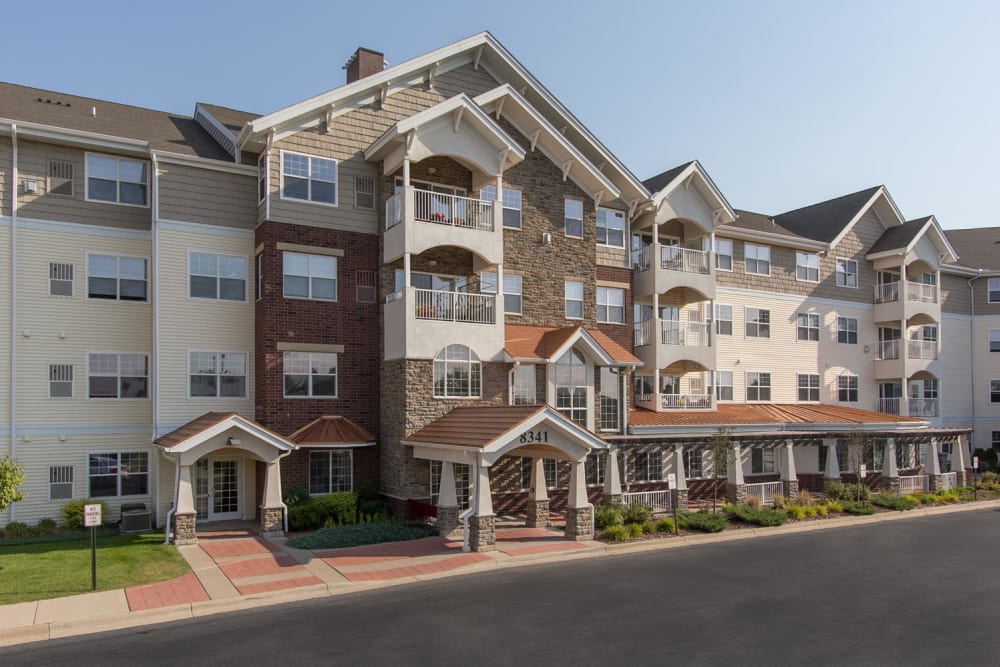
860 452
11 477
720 445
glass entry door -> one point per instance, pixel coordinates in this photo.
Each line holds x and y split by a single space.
217 489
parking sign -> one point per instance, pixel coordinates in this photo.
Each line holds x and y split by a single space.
91 516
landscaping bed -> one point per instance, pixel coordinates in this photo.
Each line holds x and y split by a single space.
358 535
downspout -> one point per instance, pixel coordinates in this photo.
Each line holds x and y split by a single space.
281 495
13 301
473 507
972 352
173 505
156 318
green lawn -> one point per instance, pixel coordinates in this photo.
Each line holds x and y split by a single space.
40 571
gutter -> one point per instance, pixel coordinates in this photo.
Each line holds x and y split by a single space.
154 295
13 302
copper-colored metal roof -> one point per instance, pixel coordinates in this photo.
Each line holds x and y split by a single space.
206 421
764 413
526 342
331 430
474 426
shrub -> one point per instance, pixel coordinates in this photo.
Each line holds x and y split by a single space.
804 498
858 508
634 529
336 509
797 512
703 521
648 527
841 491
608 515
752 502
989 481
72 512
616 533
296 495
353 536
758 516
46 526
898 503
834 507
821 509
16 530
666 525
780 502
638 514
925 498
949 496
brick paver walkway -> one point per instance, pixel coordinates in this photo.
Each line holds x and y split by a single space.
181 590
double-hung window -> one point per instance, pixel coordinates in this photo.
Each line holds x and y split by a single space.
610 399
694 466
331 471
762 461
594 469
217 374
994 391
724 254
847 330
994 340
758 386
114 375
457 373
574 299
309 276
523 385
807 266
117 180
757 259
611 227
758 323
573 217
993 290
723 385
847 388
847 272
511 202
807 326
808 385
308 178
221 277
310 374
114 474
512 290
723 320
648 467
611 305
116 278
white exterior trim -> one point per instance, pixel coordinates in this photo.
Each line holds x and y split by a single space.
62 227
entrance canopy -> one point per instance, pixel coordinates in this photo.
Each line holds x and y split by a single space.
221 430
486 433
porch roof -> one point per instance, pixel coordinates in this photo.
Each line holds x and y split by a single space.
209 424
770 414
526 343
332 431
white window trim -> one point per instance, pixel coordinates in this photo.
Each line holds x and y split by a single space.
246 280
989 290
583 217
336 278
468 363
812 255
329 452
730 255
119 452
857 272
746 320
747 244
993 335
582 300
989 391
608 307
819 387
856 330
625 227
118 299
310 396
769 386
503 208
259 276
731 385
263 175
86 180
335 181
857 380
86 366
246 386
717 319
500 294
818 327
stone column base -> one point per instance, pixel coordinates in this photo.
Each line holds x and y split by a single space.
791 487
482 533
681 497
891 484
611 499
964 478
580 523
272 522
184 525
936 482
538 514
736 493
447 520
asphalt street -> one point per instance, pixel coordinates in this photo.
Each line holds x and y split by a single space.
922 591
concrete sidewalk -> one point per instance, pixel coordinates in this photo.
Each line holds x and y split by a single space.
244 572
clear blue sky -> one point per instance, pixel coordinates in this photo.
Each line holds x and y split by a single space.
785 103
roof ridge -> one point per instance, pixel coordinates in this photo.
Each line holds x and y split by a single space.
97 99
870 190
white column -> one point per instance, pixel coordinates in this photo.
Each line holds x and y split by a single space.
185 492
484 497
447 496
612 475
788 472
406 270
577 486
538 490
679 470
272 485
734 466
832 464
960 455
406 172
931 463
889 459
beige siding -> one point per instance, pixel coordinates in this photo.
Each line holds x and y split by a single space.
206 196
64 329
955 295
33 160
983 305
956 364
6 165
199 324
465 79
986 368
4 332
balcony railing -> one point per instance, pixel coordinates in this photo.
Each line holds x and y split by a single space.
886 350
455 306
642 332
640 258
685 401
921 292
676 332
765 492
442 209
658 501
949 480
887 292
887 406
923 407
912 483
674 258
921 349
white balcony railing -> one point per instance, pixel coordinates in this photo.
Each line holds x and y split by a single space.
887 406
921 292
886 350
765 491
887 292
658 501
674 258
921 349
642 332
640 258
676 332
455 306
912 483
393 210
442 209
923 407
685 401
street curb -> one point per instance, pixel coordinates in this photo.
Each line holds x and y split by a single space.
116 621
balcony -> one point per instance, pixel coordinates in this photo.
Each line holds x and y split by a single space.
923 407
661 343
419 321
887 406
919 299
922 349
417 220
677 267
888 360
685 402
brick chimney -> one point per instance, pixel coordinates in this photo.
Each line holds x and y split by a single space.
364 62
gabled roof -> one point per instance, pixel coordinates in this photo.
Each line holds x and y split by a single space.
161 130
976 248
899 237
768 413
233 119
332 431
198 430
827 221
527 343
672 179
758 222
658 182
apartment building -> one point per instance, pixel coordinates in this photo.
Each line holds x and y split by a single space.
434 281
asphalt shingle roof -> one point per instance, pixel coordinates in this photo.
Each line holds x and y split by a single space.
825 220
899 236
758 222
661 180
976 248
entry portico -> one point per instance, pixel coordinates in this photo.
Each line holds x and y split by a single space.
212 455
479 437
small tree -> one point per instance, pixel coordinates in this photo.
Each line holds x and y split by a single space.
11 477
720 445
861 450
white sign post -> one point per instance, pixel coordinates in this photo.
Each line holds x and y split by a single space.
92 519
671 481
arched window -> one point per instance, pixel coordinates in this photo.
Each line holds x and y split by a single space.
457 373
571 386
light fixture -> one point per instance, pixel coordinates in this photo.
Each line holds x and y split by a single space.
432 170
233 442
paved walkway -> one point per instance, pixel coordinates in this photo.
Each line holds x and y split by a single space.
237 571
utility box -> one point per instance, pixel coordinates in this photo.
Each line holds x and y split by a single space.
135 519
